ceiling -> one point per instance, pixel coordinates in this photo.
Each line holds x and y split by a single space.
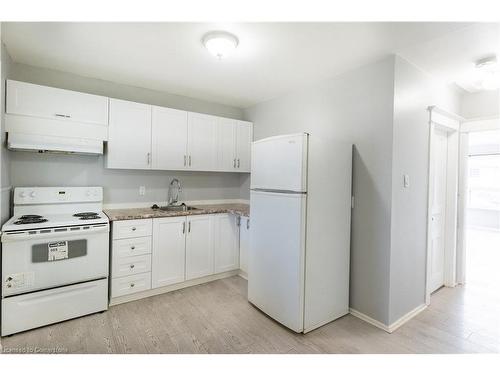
271 59
452 56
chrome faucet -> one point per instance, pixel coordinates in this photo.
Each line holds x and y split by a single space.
173 192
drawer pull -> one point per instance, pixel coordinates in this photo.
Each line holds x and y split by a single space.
132 285
134 229
132 266
132 247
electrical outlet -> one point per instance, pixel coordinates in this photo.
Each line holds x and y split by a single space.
142 190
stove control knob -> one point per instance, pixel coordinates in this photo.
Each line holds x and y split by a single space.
32 194
22 194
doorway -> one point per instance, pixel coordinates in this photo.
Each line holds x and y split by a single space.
439 164
482 205
442 200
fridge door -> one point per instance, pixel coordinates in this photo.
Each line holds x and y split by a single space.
280 163
276 257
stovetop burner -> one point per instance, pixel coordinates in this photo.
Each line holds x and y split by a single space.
85 214
90 217
30 219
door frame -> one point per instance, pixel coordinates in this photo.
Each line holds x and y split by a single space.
440 119
466 127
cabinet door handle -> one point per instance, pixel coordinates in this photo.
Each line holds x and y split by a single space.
134 229
184 160
183 227
189 160
62 115
132 285
149 158
132 247
132 266
238 163
248 223
234 163
189 227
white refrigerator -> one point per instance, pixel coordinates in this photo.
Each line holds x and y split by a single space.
300 202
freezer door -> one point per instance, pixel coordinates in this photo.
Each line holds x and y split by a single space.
280 163
276 257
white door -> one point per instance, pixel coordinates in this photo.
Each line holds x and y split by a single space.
244 243
244 136
199 247
280 163
276 263
129 137
226 243
226 144
202 142
169 138
169 241
438 209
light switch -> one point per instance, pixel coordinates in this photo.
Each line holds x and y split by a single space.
142 190
406 181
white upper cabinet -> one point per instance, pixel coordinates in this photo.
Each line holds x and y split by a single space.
233 146
129 139
52 103
199 246
226 144
169 138
244 137
226 248
202 142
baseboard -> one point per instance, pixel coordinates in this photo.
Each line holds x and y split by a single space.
171 288
370 320
407 317
243 274
392 327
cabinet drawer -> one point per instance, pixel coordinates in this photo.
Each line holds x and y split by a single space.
131 265
132 228
130 284
129 247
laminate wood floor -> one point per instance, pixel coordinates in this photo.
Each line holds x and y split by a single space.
216 318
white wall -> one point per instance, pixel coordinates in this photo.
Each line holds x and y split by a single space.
414 91
120 186
482 104
5 68
355 107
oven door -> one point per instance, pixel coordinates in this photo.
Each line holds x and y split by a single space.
32 262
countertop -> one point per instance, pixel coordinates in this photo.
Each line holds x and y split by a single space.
201 209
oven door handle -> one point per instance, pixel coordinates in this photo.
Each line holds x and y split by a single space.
69 233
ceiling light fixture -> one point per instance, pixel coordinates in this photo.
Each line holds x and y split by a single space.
220 43
488 73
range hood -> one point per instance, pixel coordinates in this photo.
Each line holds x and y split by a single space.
27 133
54 144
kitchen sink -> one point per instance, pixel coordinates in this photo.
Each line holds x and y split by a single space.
182 207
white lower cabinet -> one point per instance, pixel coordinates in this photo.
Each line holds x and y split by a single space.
244 243
179 249
226 243
199 246
169 254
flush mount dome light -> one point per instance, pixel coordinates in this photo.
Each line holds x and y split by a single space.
488 73
220 43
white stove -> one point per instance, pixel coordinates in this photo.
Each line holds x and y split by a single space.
55 257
